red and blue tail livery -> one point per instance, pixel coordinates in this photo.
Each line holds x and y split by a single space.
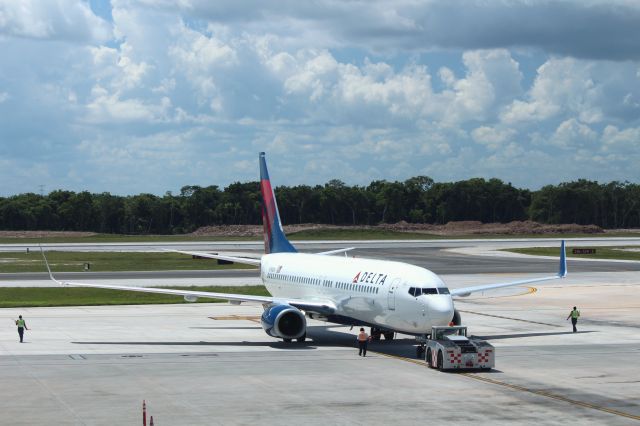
274 239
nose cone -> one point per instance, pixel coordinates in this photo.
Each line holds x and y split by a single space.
440 310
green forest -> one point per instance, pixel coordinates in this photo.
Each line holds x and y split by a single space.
416 200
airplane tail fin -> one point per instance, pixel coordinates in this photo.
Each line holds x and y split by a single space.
274 239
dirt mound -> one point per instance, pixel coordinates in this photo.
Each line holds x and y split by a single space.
228 231
468 227
478 228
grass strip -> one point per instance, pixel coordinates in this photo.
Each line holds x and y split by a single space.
26 297
61 261
616 253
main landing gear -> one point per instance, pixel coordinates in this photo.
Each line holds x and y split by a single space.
376 334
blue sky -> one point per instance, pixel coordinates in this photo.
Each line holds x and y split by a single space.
133 96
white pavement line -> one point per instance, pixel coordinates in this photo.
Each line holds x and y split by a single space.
499 252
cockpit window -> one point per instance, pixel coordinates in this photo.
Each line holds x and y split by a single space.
417 291
443 290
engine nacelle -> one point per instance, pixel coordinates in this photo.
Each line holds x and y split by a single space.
457 319
283 321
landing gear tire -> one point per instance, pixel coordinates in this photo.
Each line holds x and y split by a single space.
302 338
287 340
429 358
440 360
375 334
389 335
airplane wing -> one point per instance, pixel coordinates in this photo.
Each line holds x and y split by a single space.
238 259
322 307
562 272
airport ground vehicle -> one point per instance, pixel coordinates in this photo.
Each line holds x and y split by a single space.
449 348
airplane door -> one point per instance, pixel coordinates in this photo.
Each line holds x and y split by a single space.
391 296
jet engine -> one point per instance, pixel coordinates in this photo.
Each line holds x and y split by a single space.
457 319
284 321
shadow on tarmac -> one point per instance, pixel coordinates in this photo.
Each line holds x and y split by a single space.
515 336
318 336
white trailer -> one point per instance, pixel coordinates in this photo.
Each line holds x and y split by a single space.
449 348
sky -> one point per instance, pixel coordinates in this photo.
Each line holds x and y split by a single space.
133 96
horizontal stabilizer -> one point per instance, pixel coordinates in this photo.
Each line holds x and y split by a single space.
238 259
330 252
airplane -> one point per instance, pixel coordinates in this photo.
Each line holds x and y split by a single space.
387 296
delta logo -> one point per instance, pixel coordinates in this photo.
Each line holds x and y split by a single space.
369 278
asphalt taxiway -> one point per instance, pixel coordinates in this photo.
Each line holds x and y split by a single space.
205 364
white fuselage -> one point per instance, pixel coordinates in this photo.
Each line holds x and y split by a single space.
376 292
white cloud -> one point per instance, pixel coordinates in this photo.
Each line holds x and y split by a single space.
492 137
4 96
107 107
70 20
492 77
625 140
571 134
561 85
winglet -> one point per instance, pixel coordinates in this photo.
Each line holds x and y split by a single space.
48 268
563 261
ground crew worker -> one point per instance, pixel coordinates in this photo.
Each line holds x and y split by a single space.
22 326
363 340
574 315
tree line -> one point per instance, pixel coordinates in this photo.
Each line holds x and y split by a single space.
416 200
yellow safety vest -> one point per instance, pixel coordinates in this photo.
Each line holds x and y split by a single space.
20 323
575 314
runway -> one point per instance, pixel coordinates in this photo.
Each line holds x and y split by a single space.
444 257
209 364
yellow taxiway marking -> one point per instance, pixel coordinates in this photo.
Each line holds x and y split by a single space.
509 318
253 318
522 389
553 396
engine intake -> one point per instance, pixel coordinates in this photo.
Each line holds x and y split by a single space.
283 321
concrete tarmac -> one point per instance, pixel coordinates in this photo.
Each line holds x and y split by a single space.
209 364
206 364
